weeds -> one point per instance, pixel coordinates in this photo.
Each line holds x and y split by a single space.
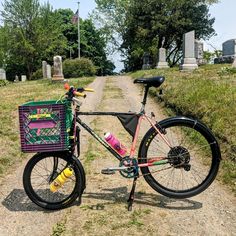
207 94
59 228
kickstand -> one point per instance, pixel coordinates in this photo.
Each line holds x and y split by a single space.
131 196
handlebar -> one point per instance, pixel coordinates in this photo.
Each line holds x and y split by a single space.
76 92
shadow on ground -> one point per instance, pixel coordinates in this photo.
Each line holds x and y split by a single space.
17 200
114 195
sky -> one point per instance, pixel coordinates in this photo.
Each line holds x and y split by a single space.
86 6
224 13
225 20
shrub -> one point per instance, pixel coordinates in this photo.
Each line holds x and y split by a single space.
227 71
78 68
38 74
3 83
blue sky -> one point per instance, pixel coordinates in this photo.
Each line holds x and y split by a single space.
86 6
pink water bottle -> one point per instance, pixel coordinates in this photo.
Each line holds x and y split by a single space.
115 143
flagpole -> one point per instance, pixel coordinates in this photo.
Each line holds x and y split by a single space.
78 32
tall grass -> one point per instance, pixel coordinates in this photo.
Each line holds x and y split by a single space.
207 94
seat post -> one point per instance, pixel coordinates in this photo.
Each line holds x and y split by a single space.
145 95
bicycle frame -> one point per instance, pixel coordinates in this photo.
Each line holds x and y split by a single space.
142 116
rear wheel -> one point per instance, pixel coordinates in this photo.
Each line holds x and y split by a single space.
40 172
190 164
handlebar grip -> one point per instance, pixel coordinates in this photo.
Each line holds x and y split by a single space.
80 94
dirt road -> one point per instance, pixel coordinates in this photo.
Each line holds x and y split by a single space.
103 209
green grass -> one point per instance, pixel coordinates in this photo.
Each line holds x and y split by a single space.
15 94
59 228
208 94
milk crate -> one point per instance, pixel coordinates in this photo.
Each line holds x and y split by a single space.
44 126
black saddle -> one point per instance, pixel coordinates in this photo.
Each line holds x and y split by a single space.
151 82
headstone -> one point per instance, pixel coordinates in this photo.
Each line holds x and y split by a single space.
57 69
16 79
199 52
49 72
3 74
23 78
44 69
189 61
229 48
146 61
228 52
162 59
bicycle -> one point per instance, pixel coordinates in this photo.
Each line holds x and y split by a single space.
169 149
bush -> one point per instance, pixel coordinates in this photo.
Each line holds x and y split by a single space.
38 74
78 68
227 71
3 83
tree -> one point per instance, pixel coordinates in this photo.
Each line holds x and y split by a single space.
33 34
92 42
151 24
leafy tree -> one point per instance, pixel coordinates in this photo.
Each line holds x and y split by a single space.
33 34
151 24
69 30
93 44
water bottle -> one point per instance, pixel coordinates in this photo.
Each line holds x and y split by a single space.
61 179
115 143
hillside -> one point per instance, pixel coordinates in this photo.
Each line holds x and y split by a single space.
208 94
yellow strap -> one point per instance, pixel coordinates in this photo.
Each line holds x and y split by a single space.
38 116
80 94
89 90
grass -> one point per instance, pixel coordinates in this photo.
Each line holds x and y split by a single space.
208 94
59 228
13 95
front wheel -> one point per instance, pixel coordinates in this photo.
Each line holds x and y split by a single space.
189 154
42 169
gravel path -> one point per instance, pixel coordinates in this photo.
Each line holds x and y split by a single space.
103 210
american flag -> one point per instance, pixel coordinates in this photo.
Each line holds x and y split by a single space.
75 18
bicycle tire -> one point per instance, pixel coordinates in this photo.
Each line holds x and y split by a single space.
193 132
37 177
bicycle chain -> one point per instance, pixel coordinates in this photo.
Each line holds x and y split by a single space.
160 170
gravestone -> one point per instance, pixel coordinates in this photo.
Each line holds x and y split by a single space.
23 78
44 69
16 80
199 52
229 48
57 69
162 59
3 74
49 72
228 52
146 61
189 61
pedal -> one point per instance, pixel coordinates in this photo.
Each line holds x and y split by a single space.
108 172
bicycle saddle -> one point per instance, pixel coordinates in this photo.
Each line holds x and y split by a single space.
151 82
